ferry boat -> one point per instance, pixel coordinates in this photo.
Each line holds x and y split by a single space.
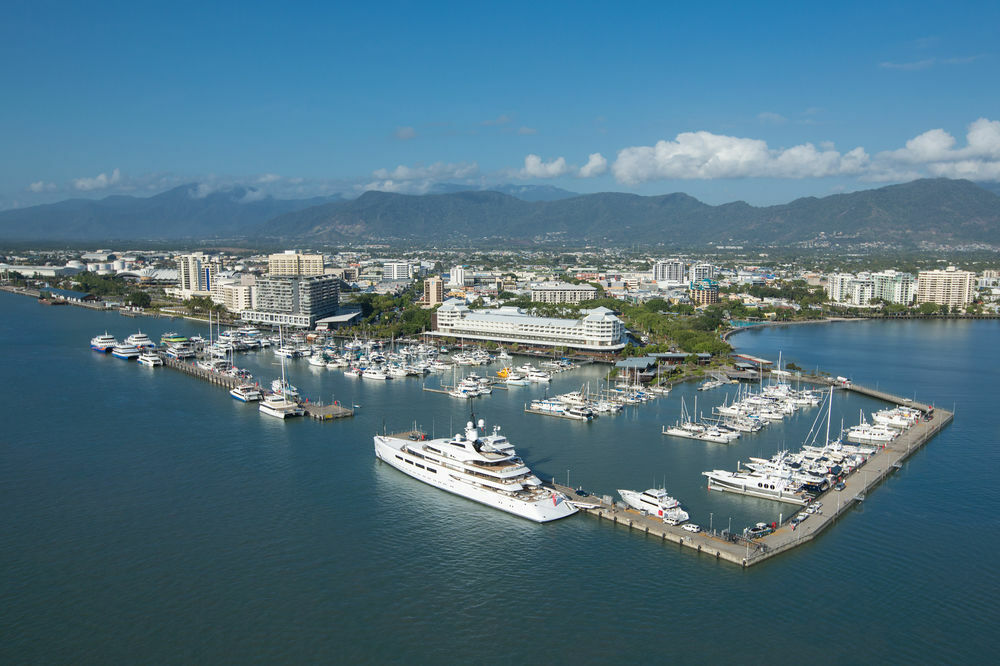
172 338
657 502
246 393
103 343
125 352
280 407
150 358
474 467
140 340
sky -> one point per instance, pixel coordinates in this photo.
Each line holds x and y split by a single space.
761 102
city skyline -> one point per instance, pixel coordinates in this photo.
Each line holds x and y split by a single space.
724 103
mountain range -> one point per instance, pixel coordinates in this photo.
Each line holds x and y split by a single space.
930 210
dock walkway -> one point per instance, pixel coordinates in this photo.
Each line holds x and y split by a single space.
736 549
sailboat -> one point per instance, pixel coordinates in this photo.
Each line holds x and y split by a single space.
279 404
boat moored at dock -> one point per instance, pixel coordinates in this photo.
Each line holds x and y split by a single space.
477 467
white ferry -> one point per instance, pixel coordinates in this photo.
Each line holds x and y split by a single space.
103 343
140 340
246 393
481 468
125 352
280 407
150 358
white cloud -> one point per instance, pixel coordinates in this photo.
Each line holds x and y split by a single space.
527 130
595 166
253 194
268 178
42 186
405 133
99 182
771 118
935 151
436 171
703 155
534 167
421 178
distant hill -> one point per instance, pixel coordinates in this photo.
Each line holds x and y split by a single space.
935 210
931 210
182 212
522 192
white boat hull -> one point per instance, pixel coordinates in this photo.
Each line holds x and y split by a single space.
540 511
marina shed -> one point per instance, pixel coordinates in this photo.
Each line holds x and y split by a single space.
676 358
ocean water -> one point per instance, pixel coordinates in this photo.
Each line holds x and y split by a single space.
148 517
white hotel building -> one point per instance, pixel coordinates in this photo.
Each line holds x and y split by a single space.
598 330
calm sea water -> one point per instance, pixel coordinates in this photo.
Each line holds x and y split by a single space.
148 517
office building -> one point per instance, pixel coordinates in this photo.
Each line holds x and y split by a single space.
396 270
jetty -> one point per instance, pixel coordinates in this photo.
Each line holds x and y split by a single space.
316 410
832 504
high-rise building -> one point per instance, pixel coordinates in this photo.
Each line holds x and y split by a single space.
294 301
195 273
838 287
433 290
950 287
291 262
396 270
700 272
704 291
458 277
669 271
894 287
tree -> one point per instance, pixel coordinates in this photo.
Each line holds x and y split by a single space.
139 299
927 308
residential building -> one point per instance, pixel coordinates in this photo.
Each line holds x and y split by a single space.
699 272
894 287
195 273
291 262
597 330
562 292
294 301
950 287
704 292
433 291
669 271
458 277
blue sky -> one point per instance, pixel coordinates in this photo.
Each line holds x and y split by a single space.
724 101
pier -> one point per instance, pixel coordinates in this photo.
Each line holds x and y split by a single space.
224 381
317 411
735 548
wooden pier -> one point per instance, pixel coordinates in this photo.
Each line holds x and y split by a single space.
834 503
326 412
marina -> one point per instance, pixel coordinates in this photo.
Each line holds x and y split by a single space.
321 489
745 552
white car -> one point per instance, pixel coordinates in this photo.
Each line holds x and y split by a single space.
690 527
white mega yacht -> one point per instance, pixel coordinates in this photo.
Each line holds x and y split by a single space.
657 502
482 468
